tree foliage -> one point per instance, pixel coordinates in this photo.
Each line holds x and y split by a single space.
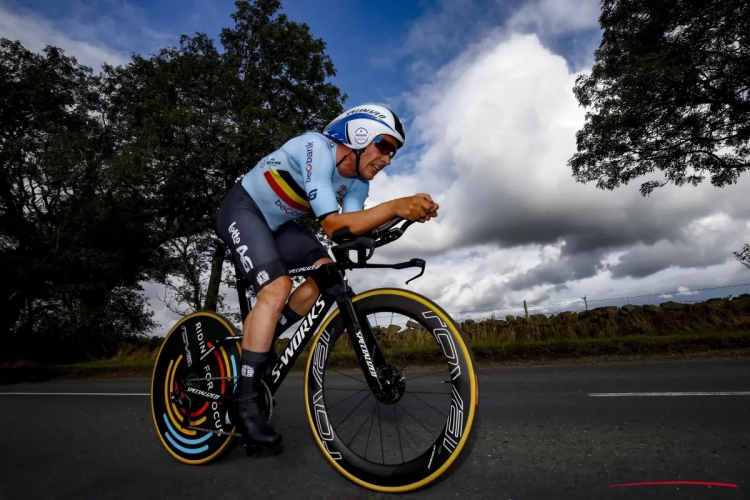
72 248
199 117
111 180
670 91
744 255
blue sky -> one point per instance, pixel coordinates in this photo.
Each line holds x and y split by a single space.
367 41
485 89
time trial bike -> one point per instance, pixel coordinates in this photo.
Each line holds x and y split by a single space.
352 363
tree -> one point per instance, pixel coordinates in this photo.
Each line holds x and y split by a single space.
73 249
197 118
744 255
670 91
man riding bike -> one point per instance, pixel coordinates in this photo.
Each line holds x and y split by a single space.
309 173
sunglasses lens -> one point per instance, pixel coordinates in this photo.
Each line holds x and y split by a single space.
385 147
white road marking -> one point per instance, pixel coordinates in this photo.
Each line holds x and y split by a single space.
73 394
639 394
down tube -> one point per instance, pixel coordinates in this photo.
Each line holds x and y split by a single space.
305 332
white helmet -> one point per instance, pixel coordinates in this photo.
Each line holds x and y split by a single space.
357 127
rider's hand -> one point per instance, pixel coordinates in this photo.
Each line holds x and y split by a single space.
419 207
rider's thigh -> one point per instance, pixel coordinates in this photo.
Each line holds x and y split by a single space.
243 228
297 247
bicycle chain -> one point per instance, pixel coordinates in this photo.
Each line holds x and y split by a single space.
220 432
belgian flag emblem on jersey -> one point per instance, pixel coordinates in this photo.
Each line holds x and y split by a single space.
285 188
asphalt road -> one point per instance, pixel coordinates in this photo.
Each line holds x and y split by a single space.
543 435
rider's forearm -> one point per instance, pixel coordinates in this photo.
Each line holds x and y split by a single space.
358 222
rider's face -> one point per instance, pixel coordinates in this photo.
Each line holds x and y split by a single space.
374 159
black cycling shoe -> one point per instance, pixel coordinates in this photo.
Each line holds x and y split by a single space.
258 435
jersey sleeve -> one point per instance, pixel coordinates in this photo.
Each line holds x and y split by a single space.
354 200
317 175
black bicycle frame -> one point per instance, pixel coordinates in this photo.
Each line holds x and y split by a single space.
335 291
330 278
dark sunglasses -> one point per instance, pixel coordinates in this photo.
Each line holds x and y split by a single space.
385 147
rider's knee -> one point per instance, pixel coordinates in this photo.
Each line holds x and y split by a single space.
276 292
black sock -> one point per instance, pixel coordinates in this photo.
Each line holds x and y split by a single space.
252 371
287 318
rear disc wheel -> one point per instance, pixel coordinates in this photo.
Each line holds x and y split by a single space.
191 358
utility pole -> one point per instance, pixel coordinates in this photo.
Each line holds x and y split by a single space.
586 302
526 309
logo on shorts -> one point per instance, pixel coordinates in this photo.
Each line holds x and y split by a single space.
235 233
341 191
262 277
247 371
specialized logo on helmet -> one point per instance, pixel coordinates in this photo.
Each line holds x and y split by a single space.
369 111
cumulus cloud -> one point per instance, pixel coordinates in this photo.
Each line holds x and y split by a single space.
93 32
554 17
494 129
35 33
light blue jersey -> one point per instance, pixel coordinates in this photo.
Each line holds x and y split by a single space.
301 177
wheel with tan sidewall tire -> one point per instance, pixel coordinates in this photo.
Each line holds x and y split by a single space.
190 353
443 455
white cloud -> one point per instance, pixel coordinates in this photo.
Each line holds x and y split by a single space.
494 129
93 32
35 32
555 17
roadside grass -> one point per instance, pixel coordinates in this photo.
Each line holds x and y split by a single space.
137 362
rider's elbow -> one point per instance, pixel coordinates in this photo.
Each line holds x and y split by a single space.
336 229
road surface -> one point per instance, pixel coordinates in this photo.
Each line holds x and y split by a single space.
547 432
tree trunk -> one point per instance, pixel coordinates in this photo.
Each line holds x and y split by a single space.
212 294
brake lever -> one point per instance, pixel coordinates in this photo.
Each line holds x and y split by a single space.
418 263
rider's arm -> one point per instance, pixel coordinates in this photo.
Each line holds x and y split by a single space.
322 198
342 225
354 219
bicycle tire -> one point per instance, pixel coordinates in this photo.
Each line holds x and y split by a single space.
190 347
456 438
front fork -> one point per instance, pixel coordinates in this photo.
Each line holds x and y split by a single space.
365 343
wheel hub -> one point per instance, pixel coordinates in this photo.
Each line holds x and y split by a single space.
192 380
394 385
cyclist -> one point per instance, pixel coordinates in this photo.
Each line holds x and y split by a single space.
309 173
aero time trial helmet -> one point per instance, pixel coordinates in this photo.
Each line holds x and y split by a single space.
358 127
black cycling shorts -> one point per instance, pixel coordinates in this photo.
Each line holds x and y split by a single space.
260 254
